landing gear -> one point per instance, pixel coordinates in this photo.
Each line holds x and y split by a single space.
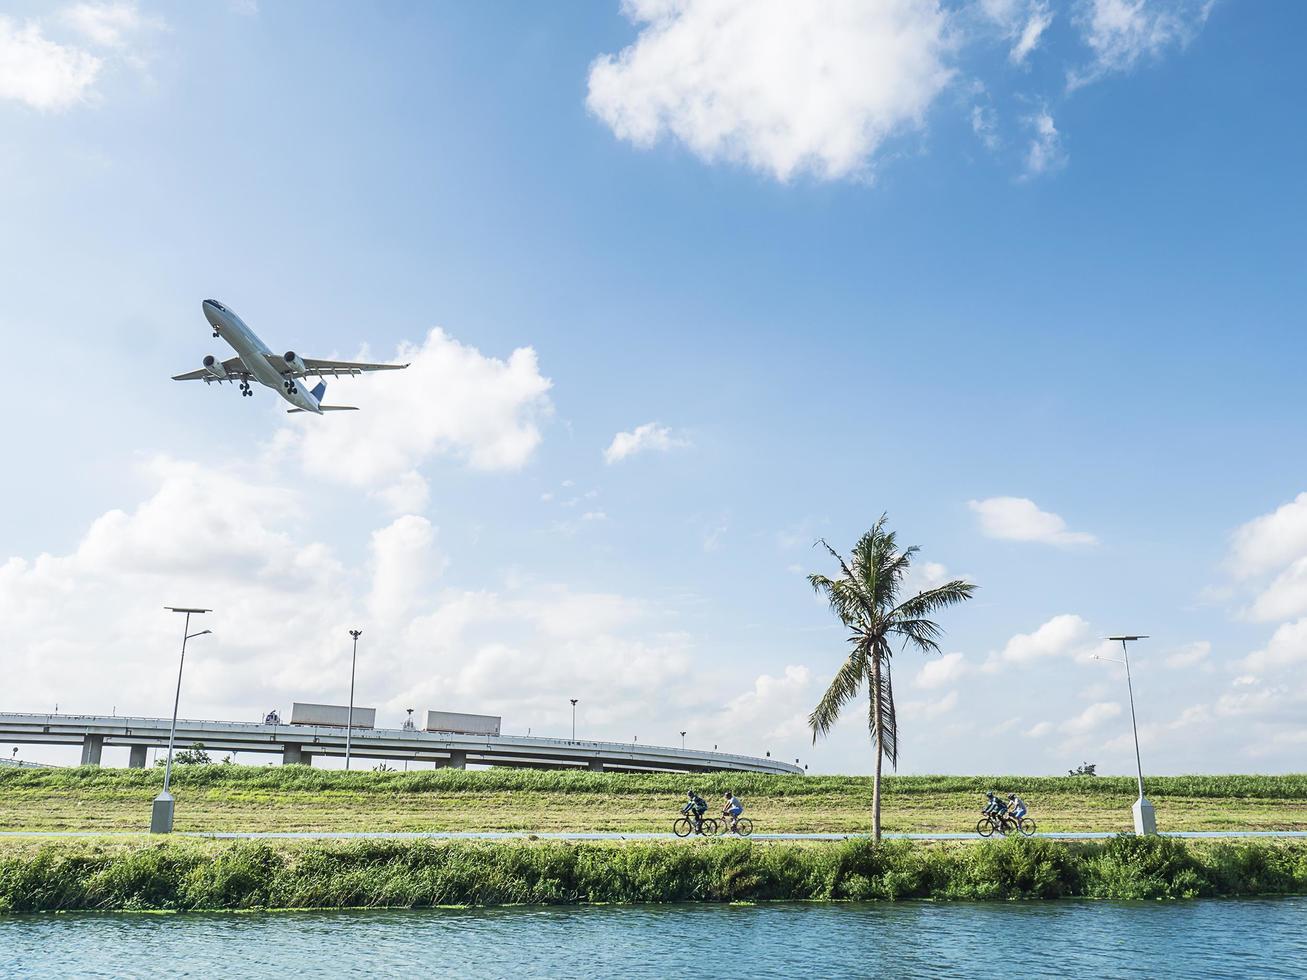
215 333
245 389
290 387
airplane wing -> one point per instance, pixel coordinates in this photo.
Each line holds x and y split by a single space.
233 367
318 367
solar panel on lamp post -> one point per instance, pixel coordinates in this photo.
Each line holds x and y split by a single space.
162 813
1144 814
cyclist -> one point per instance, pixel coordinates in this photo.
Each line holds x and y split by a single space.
1016 808
732 810
994 807
695 807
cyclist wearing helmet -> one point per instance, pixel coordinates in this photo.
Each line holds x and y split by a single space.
1016 807
993 805
733 809
695 807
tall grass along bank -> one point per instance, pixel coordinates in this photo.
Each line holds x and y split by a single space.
195 874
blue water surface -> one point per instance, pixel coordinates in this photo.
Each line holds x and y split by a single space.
1208 939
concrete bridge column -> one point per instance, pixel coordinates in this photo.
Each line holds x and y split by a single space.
92 745
457 759
596 765
293 755
137 760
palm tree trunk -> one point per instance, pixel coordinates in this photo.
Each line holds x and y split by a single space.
880 746
875 797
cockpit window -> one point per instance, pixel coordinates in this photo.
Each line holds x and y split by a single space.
214 302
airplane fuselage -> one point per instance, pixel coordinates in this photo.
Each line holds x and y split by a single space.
257 358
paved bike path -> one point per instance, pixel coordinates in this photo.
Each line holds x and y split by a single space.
616 836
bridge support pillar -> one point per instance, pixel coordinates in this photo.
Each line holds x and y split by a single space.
293 755
457 759
137 760
596 765
92 745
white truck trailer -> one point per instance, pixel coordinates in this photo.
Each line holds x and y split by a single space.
332 715
462 724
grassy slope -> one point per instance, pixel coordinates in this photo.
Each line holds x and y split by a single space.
299 798
145 874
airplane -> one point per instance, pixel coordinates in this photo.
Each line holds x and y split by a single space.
280 372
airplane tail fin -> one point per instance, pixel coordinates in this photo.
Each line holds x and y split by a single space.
320 390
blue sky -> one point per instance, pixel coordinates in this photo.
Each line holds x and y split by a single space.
1026 276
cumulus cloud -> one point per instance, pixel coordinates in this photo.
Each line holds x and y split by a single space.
1090 718
1062 636
1270 541
1122 33
1045 152
784 88
1286 595
451 401
1287 646
777 707
1190 655
650 437
404 565
1020 519
928 710
941 671
40 73
107 25
1022 21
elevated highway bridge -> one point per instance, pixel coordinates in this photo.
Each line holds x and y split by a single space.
301 744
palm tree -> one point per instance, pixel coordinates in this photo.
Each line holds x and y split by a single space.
866 599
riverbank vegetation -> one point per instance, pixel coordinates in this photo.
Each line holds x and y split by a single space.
300 798
187 874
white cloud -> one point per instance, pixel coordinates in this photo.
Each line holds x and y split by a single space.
451 401
404 565
1019 519
407 495
106 25
40 73
784 88
1189 655
1270 541
1287 646
777 707
650 437
1122 33
1040 730
1286 596
1061 636
927 710
984 124
1045 152
1023 22
1090 718
940 671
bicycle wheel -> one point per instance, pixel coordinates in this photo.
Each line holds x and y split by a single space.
744 826
1026 826
709 827
985 827
682 827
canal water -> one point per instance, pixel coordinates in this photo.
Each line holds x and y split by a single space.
1207 939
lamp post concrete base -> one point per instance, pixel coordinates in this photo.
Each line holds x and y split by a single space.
161 816
1145 817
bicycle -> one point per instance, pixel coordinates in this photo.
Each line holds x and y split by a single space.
684 827
743 826
1003 824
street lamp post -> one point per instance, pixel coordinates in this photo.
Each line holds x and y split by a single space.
1145 815
682 741
574 700
349 719
161 815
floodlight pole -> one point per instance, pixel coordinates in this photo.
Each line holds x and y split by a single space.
1145 815
161 817
682 741
574 700
349 721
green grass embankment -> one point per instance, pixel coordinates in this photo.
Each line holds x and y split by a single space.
299 798
195 874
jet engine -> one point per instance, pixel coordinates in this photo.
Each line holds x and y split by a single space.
215 367
293 362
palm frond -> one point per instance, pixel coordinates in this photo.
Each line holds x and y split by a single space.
848 679
882 716
923 604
